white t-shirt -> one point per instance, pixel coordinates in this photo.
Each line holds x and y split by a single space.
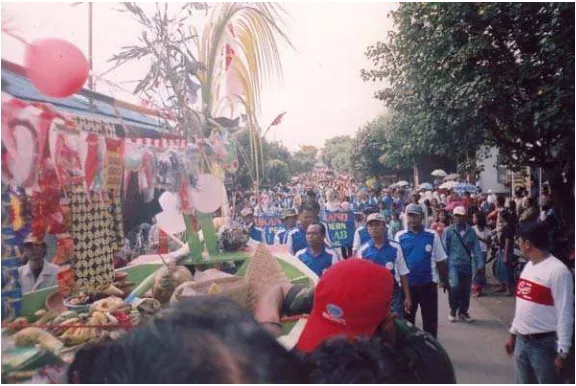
545 301
485 234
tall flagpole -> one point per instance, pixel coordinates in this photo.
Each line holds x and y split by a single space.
91 79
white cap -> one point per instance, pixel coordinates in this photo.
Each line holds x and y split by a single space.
376 217
459 211
246 212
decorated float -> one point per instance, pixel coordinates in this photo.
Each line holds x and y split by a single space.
77 166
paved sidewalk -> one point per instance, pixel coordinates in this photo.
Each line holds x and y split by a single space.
477 348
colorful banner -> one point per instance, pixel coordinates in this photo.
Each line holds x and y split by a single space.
271 225
340 228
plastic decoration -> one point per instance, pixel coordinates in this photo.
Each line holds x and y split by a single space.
209 194
56 67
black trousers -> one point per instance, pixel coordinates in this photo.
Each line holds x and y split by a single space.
425 296
346 252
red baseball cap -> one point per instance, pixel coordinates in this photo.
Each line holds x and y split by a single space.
352 298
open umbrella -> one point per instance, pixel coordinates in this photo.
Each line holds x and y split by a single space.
426 186
465 187
453 176
448 185
402 183
439 173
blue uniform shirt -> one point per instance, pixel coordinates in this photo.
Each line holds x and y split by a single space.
319 263
361 237
389 256
257 234
421 251
296 240
281 237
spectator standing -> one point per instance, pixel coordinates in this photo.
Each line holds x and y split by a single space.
441 222
317 256
483 236
541 332
256 234
290 219
423 252
380 251
464 260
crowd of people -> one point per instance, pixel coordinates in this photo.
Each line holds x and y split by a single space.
408 245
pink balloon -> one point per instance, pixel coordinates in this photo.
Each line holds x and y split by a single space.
56 67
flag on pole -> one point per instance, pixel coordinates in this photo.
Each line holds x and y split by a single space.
278 119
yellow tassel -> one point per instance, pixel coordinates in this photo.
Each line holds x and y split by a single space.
18 221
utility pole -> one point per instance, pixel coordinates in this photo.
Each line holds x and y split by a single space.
90 62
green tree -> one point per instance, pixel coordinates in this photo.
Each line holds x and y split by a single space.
276 172
336 153
303 160
462 75
367 148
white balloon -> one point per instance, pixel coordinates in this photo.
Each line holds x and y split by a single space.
169 202
171 222
209 194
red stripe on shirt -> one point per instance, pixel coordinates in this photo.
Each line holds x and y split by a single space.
534 292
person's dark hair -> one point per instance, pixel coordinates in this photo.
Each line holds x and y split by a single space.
500 200
306 207
311 193
481 220
340 360
512 205
530 202
369 210
446 216
536 233
201 341
322 227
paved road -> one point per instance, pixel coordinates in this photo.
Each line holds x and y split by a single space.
476 349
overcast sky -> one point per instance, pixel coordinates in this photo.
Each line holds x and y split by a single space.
321 89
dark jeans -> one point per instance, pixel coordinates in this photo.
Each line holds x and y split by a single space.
398 301
506 270
346 252
425 296
534 360
460 286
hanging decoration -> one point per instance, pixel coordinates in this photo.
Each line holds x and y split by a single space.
56 67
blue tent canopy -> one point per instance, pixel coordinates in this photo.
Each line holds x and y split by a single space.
139 124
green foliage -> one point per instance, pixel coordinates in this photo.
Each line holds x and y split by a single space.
303 160
466 74
278 162
367 148
276 172
462 75
336 153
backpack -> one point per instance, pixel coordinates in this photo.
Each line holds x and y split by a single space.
427 359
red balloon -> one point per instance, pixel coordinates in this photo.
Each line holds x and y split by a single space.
56 67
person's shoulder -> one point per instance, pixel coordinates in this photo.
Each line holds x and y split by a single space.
426 356
293 231
557 267
363 248
433 233
51 268
401 234
331 252
300 252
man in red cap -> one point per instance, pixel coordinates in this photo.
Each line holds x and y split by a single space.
352 299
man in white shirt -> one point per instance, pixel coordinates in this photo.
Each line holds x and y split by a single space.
37 273
541 332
